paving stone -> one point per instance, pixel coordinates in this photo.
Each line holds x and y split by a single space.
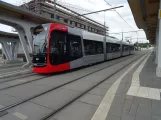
76 111
116 109
143 111
104 86
144 102
156 111
4 85
119 99
148 74
156 117
22 80
59 96
7 100
156 103
91 99
111 80
30 110
79 86
25 91
10 117
94 77
127 117
53 81
112 117
140 117
129 97
121 88
98 91
134 107
126 88
127 106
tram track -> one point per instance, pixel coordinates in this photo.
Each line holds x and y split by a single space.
13 73
47 117
47 76
16 77
3 111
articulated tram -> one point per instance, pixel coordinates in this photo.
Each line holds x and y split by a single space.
58 47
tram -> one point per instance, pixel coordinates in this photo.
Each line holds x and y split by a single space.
58 47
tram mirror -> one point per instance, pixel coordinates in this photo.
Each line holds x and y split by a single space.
38 29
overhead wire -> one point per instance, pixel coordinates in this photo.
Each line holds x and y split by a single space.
119 15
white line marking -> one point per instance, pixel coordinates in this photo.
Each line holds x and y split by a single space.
105 105
133 90
140 91
143 92
154 93
19 115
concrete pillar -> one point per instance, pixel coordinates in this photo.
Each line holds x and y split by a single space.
6 50
158 70
14 49
24 46
25 25
17 45
29 37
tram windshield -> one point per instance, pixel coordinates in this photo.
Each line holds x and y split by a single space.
40 40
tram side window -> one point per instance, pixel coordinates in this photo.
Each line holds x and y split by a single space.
75 48
99 47
125 48
109 48
118 47
89 47
93 47
114 48
58 48
131 48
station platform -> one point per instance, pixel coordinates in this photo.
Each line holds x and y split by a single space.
138 95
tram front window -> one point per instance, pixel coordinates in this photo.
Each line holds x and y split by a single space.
40 44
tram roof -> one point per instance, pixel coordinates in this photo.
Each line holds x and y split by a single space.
92 36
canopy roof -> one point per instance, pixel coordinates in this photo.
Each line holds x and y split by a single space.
145 13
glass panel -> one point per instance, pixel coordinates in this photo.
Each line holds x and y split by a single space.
40 45
64 47
93 47
125 48
40 39
58 48
75 46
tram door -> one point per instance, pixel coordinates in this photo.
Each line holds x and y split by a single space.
59 51
64 47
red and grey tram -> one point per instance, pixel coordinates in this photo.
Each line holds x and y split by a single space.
58 47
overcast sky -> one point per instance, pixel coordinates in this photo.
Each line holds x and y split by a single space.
113 21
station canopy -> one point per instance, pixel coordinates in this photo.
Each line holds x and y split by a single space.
145 13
